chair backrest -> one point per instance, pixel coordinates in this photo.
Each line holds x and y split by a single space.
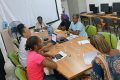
111 39
96 20
13 58
108 21
20 73
91 30
8 42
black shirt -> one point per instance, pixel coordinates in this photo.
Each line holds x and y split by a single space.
65 23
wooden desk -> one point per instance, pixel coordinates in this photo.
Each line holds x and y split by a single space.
72 65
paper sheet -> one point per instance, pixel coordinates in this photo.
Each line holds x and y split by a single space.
83 42
89 57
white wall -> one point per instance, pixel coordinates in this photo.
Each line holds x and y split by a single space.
82 6
65 5
98 2
54 24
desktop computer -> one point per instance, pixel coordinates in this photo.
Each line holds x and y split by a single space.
96 10
105 8
116 7
91 7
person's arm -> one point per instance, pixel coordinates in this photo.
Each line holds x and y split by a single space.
74 32
47 46
49 63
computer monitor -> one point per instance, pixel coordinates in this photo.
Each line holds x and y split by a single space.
104 8
110 9
96 10
116 7
91 7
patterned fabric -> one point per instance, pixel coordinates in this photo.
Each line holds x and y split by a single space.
114 66
106 68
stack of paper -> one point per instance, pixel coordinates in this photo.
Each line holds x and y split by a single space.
89 57
83 42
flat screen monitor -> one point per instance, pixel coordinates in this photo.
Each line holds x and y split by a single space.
104 8
91 7
96 10
116 7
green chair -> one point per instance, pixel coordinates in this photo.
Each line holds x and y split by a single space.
91 30
111 39
20 73
13 58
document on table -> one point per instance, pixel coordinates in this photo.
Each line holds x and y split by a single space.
72 37
83 42
89 57
59 56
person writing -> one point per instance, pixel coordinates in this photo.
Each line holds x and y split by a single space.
36 62
65 24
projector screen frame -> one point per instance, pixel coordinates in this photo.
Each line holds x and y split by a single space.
57 14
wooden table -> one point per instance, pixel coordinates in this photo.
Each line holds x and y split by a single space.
73 64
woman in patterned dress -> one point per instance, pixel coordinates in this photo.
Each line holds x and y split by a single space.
106 66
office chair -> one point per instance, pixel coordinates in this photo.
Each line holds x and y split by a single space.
118 27
13 58
109 24
20 73
111 39
97 22
84 20
90 30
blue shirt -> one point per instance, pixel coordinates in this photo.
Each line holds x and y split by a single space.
78 26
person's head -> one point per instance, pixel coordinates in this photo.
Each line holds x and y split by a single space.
23 31
99 42
75 18
33 43
62 17
40 20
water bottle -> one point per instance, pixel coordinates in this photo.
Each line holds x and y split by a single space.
4 25
50 30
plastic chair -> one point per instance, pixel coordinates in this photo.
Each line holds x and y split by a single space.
20 73
111 39
118 27
84 20
109 24
13 58
91 30
97 22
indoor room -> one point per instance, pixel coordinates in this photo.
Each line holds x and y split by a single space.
60 39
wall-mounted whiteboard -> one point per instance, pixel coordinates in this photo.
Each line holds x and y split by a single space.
27 11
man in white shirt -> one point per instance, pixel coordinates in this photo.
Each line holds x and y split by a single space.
77 27
40 25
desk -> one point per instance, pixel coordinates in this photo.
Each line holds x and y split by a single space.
72 65
89 16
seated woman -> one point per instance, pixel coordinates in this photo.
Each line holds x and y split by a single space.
106 66
64 25
40 25
36 62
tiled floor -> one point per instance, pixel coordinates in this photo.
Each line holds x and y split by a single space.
9 68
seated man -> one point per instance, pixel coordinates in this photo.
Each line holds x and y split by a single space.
40 24
77 27
25 34
64 25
